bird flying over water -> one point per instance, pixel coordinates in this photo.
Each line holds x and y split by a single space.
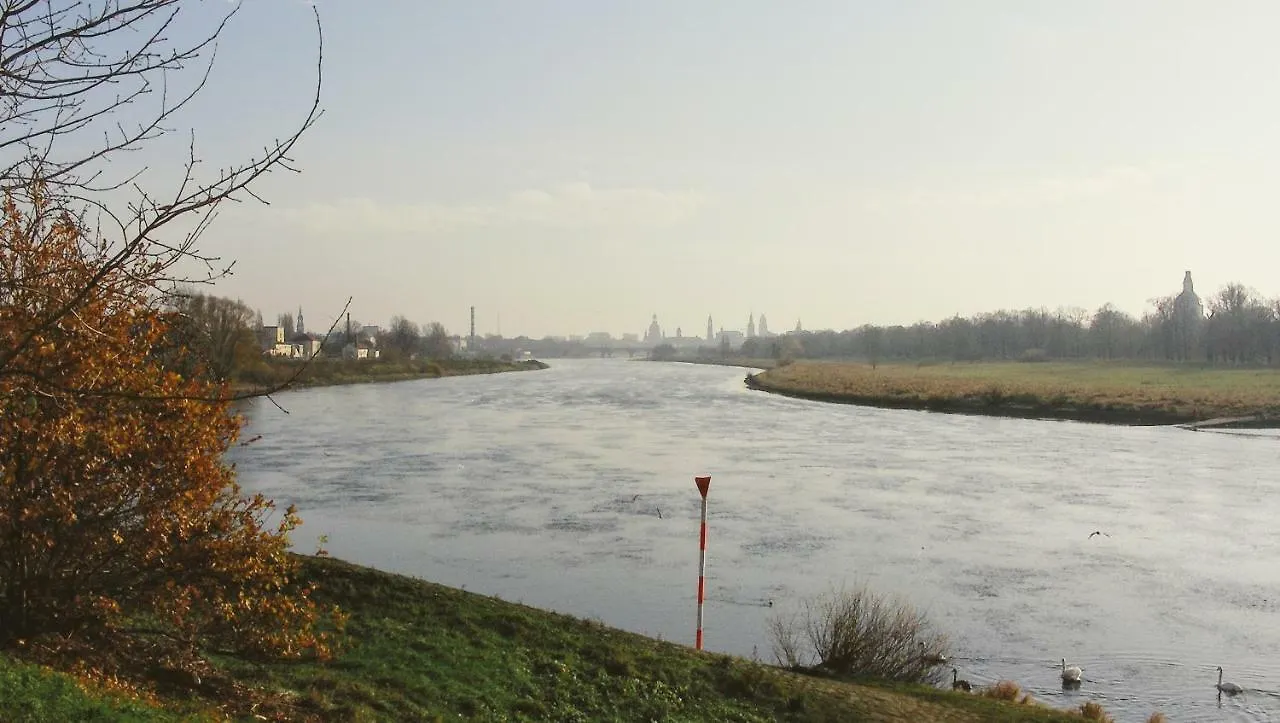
1097 532
633 499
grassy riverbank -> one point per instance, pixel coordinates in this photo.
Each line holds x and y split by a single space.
1119 393
420 651
329 372
748 362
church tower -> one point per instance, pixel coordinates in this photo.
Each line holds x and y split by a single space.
751 326
301 329
655 332
764 326
711 330
1188 317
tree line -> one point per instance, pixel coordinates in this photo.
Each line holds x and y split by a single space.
224 336
1237 326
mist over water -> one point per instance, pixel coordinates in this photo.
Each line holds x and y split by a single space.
546 487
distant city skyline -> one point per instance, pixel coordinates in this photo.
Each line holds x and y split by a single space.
751 328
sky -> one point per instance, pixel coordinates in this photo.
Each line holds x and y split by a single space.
570 166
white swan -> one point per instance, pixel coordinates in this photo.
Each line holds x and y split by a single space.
1228 688
1071 674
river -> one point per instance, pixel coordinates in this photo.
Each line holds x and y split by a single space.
572 489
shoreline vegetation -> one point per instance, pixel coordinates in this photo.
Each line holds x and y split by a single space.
329 372
415 650
1101 392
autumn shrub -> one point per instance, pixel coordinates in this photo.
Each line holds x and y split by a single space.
1090 710
1007 690
859 634
118 515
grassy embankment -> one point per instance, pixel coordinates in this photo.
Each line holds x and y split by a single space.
327 372
420 651
749 362
1118 393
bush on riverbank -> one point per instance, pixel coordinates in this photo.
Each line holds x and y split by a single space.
859 634
1122 393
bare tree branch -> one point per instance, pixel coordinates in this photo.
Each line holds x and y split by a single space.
67 68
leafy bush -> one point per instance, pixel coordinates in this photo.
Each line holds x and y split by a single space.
859 634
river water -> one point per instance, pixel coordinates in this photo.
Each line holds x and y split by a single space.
572 489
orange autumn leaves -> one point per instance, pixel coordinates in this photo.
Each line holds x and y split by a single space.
115 504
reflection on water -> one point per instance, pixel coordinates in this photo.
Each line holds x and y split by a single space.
572 489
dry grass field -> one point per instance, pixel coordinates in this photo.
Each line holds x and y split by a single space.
1122 393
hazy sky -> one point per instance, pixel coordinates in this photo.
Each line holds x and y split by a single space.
580 165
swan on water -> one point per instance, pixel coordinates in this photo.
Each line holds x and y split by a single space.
1071 674
1228 688
931 658
957 684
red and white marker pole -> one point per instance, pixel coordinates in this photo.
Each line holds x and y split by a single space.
704 484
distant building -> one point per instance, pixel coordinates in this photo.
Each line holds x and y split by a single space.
634 338
271 340
305 345
798 329
711 334
654 334
763 330
269 336
1188 302
751 326
1188 319
363 349
733 338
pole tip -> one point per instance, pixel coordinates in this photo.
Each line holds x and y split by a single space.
704 484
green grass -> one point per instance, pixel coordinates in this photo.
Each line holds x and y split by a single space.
31 694
1123 392
421 651
424 652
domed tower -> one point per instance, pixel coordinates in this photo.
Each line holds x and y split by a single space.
1188 301
655 331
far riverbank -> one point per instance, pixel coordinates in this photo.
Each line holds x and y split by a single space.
327 372
1098 392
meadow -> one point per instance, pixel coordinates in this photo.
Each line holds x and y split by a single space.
1121 393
